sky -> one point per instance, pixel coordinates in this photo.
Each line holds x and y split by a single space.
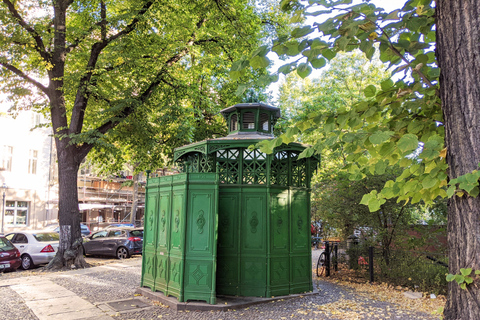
388 5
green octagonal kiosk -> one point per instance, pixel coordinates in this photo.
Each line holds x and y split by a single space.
236 221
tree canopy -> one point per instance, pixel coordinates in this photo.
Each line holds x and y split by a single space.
423 119
124 76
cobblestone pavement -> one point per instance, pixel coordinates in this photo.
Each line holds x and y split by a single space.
115 282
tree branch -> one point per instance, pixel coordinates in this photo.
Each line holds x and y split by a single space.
25 77
141 99
81 99
39 46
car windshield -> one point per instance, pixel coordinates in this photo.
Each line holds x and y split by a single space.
47 236
5 244
137 233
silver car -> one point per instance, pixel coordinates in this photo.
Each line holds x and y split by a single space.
36 247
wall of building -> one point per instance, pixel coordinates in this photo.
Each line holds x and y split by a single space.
25 163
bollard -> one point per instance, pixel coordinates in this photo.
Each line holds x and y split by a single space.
370 263
327 259
335 257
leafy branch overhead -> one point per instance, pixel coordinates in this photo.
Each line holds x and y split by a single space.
399 121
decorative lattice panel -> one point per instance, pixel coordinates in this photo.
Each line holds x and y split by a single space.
228 165
206 163
254 167
279 172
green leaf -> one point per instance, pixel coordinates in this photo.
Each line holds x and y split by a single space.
306 153
387 84
259 62
318 63
450 277
370 91
429 182
407 143
380 137
380 167
261 51
468 280
304 70
366 199
477 272
393 15
301 32
240 90
292 48
466 272
329 54
285 69
459 278
374 205
451 191
463 286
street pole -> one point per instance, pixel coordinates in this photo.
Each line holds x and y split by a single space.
4 187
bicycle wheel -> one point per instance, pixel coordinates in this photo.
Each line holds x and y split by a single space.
321 265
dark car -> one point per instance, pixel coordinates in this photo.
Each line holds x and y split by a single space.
84 229
9 256
118 242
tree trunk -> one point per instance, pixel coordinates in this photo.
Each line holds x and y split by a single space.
133 213
70 250
458 55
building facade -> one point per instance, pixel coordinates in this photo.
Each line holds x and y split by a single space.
29 181
29 194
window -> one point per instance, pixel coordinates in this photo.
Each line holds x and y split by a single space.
32 162
6 158
248 120
16 213
100 234
20 238
35 119
233 122
46 236
264 121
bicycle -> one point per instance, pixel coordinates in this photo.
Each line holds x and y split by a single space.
324 261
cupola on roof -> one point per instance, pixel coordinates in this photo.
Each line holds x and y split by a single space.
250 119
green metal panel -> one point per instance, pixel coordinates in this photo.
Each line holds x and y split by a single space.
253 248
176 244
300 251
228 242
180 236
201 238
149 238
280 244
163 220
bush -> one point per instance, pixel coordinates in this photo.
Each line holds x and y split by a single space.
405 268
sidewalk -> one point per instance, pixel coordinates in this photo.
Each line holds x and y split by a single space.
108 292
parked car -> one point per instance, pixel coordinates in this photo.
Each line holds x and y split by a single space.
118 242
119 225
36 247
9 256
84 229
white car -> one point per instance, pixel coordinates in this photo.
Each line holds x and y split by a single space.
36 247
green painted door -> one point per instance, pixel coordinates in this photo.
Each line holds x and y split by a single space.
228 278
300 250
279 243
253 244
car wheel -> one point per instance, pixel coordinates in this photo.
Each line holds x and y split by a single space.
122 253
27 262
